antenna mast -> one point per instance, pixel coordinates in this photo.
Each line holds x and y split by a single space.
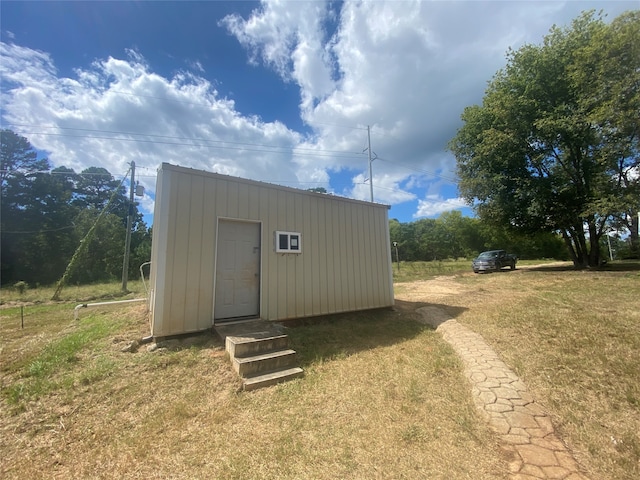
370 161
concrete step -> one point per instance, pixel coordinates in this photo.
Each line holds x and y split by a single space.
267 379
249 346
266 362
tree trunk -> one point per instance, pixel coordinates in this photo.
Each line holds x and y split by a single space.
634 234
566 236
583 254
594 244
594 252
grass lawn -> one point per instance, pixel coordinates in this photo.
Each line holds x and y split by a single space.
382 396
573 337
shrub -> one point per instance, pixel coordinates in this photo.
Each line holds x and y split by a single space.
20 286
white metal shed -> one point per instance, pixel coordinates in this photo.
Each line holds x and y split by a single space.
227 248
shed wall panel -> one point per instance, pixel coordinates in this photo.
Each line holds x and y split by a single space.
307 268
344 265
194 246
207 271
181 235
299 310
158 254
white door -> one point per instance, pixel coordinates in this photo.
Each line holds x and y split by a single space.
237 270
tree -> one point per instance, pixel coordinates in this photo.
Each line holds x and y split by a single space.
25 192
45 214
94 188
554 145
18 158
613 105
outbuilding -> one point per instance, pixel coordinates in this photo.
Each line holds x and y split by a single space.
226 249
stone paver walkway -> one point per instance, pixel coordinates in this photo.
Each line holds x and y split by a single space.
523 427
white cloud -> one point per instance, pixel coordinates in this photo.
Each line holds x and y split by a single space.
434 205
117 111
406 68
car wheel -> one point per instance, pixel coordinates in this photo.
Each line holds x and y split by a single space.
513 265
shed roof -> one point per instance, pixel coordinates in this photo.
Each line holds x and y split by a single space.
194 171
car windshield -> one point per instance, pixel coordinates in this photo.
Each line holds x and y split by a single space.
486 255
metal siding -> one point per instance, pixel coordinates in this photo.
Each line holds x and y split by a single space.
349 265
341 252
253 199
292 259
358 254
192 317
345 262
281 258
178 291
307 248
243 201
331 250
384 253
288 261
363 254
159 252
297 304
375 252
222 199
167 298
320 261
370 260
232 210
267 256
274 270
208 242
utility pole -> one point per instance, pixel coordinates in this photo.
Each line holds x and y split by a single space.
127 242
370 160
395 245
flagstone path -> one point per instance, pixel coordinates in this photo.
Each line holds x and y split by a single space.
525 430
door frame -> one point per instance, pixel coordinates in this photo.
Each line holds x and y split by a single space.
215 269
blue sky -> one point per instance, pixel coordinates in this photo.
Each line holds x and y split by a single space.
277 91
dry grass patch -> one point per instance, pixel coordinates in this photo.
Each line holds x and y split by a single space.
382 397
409 271
30 295
574 337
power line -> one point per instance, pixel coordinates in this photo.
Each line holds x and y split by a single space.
41 231
296 151
52 172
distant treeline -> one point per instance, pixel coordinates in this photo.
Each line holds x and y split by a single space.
453 235
47 213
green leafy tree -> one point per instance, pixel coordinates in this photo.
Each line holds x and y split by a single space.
140 248
94 188
550 148
31 208
18 159
45 215
610 82
102 258
46 250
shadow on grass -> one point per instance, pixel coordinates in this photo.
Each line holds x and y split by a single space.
620 266
340 335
